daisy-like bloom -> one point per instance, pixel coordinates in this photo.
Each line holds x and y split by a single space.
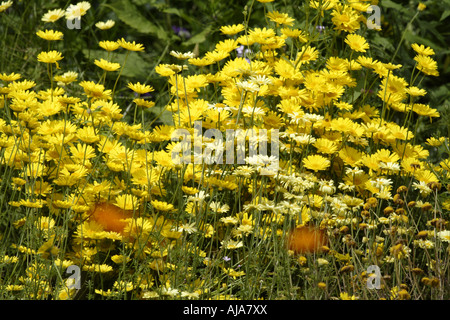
357 43
107 65
326 146
218 208
130 46
143 103
87 134
216 56
435 142
10 77
345 19
182 56
67 77
366 62
444 235
167 70
162 206
316 163
127 202
105 25
232 244
53 15
280 18
427 65
50 57
227 45
346 296
50 35
109 45
95 90
140 88
233 273
188 228
5 5
425 110
101 268
307 54
294 33
415 91
200 62
248 86
421 6
423 188
78 10
232 29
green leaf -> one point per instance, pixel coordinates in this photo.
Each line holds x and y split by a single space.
445 14
179 13
392 5
199 37
130 15
382 42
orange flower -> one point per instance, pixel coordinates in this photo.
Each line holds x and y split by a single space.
111 217
306 239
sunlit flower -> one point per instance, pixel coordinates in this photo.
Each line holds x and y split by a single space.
50 35
107 65
130 46
5 5
78 10
105 25
356 42
53 15
316 163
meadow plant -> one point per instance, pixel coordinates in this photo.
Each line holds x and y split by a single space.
346 194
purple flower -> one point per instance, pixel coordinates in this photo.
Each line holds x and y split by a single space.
320 28
182 32
226 258
241 52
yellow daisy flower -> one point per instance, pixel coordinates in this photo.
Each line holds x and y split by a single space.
50 35
105 25
357 43
140 88
316 163
53 15
107 65
232 29
130 46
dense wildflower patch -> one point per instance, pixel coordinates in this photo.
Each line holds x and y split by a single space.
348 188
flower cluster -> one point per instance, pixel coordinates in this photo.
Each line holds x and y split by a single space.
87 187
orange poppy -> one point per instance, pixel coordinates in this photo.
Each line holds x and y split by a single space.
306 239
110 216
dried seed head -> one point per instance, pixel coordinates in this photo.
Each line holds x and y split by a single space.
426 207
417 271
435 186
388 210
397 200
422 234
348 268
